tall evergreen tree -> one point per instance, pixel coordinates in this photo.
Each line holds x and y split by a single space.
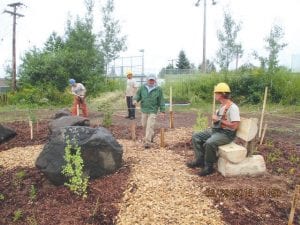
183 62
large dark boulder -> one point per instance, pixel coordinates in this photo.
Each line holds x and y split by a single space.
101 153
6 134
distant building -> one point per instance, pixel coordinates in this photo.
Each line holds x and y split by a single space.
295 65
4 87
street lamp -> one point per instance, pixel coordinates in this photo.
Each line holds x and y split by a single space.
142 51
204 34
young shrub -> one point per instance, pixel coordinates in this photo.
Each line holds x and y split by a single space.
201 122
73 170
19 177
17 215
106 108
32 193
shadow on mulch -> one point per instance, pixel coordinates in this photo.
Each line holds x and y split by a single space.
26 197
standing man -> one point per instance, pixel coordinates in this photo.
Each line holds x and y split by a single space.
78 90
130 92
151 97
225 124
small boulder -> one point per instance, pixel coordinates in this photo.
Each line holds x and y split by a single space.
65 121
61 113
6 133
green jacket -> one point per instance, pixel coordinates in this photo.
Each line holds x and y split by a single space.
150 102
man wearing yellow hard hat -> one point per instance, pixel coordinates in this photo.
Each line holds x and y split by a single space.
225 124
131 89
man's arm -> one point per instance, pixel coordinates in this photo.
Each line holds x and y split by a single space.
137 96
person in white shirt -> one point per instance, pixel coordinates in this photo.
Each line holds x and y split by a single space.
131 88
78 90
225 124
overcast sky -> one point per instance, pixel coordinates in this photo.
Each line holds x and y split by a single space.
161 27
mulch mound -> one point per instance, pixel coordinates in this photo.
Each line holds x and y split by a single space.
23 139
28 198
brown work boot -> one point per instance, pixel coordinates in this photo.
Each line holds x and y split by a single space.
208 169
147 145
194 164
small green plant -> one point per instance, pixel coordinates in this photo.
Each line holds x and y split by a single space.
32 116
201 122
294 159
2 197
17 215
269 143
73 170
274 156
19 178
32 193
106 108
280 170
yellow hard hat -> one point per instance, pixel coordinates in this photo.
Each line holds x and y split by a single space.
222 87
128 73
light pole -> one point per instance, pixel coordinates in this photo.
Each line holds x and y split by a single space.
204 34
142 51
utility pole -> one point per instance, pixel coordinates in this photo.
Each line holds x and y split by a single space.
14 14
172 62
204 34
143 60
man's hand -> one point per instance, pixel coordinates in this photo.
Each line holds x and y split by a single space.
80 98
134 102
215 118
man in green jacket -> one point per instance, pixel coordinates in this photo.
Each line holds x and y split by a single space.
151 97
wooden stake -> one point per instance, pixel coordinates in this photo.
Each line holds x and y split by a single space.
214 104
171 110
133 131
162 137
263 134
31 129
263 112
77 110
37 126
294 202
171 100
171 120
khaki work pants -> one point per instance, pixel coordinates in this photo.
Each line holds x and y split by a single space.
148 123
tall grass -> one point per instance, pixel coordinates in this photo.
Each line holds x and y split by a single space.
246 87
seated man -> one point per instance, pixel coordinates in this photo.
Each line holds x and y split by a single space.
225 125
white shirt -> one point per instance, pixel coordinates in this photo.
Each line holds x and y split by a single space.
131 87
78 89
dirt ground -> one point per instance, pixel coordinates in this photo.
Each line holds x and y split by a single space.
26 197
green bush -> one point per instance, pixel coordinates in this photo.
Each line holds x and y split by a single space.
40 96
247 87
73 170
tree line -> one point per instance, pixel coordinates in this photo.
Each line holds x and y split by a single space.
230 50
